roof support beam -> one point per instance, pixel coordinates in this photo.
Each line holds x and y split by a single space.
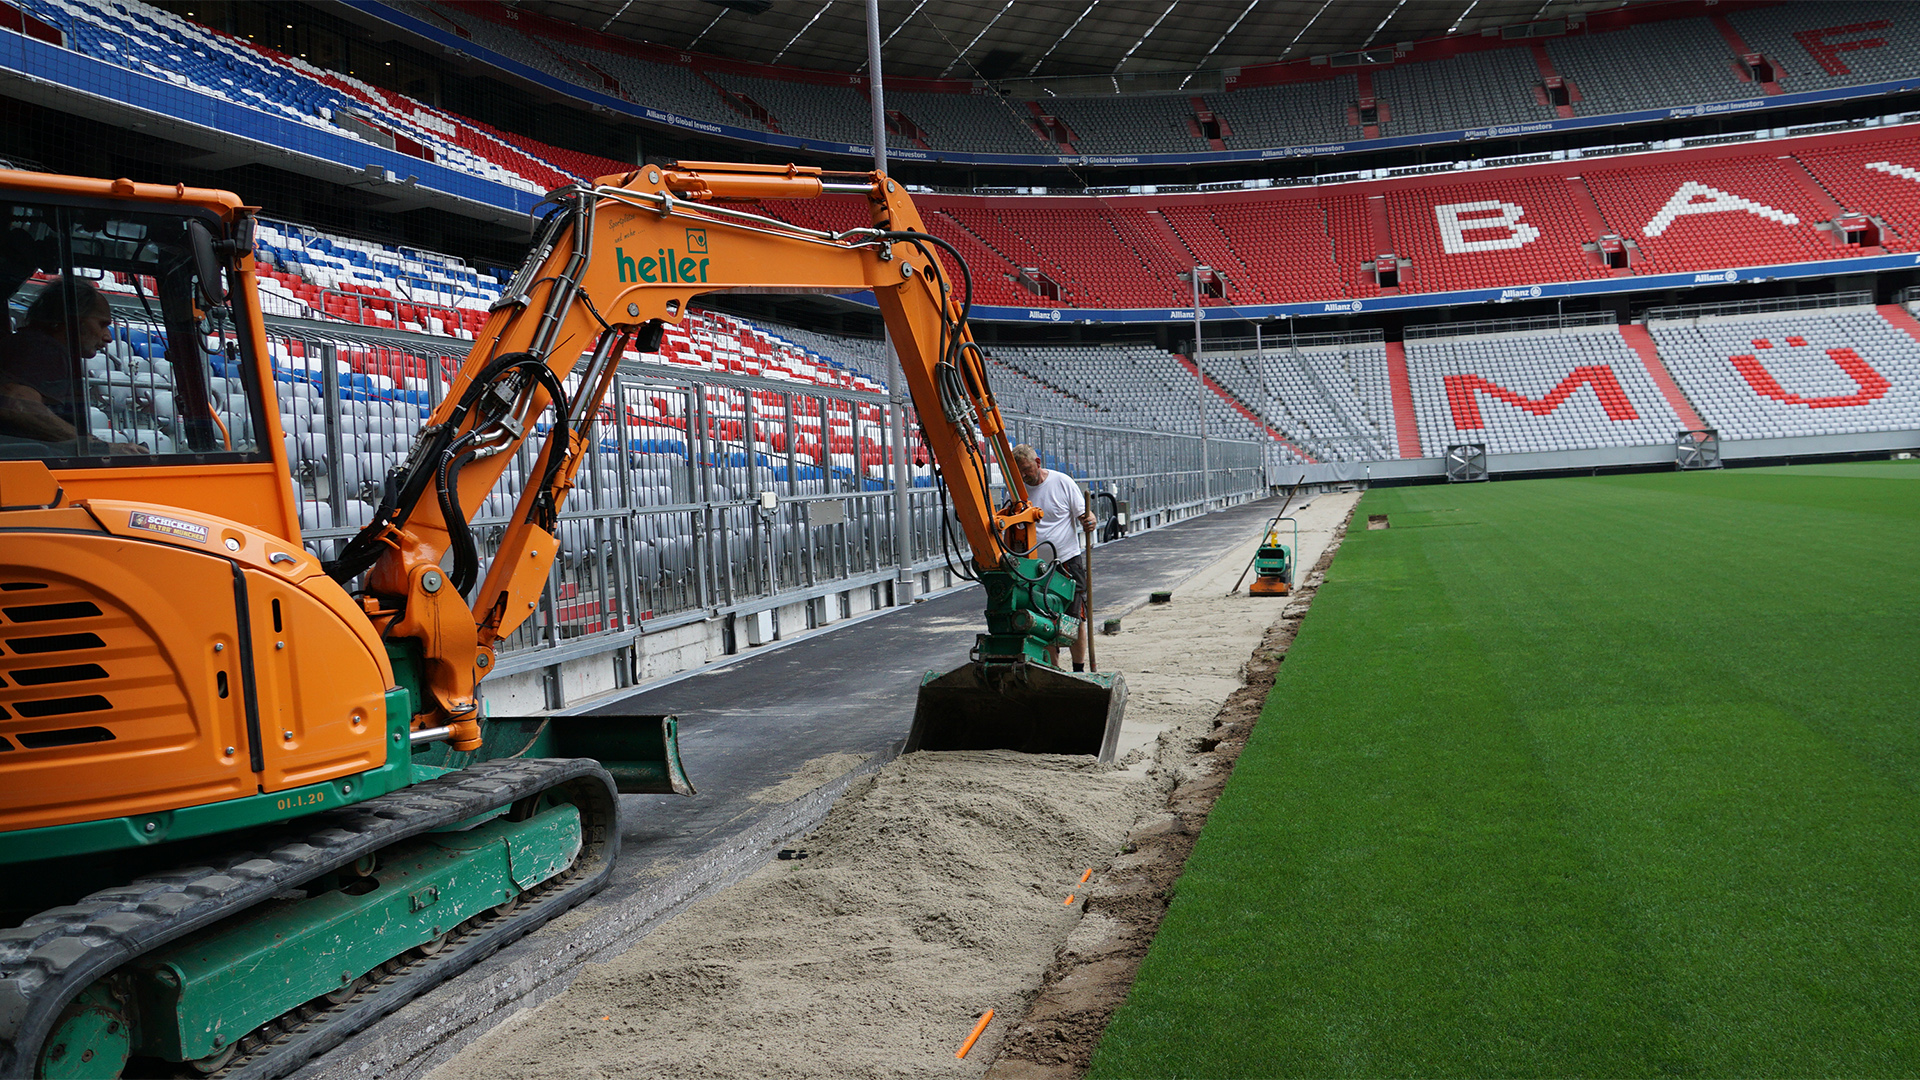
896 30
615 17
962 55
1383 24
809 26
1308 25
1062 37
1145 36
696 38
1471 4
1216 45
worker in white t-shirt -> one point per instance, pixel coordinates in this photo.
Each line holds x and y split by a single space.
1063 511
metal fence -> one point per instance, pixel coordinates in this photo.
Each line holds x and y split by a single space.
666 522
1536 324
1768 306
1277 340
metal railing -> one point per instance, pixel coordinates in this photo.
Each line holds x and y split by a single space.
396 269
666 521
1281 341
1143 82
1314 180
399 309
1535 324
1776 305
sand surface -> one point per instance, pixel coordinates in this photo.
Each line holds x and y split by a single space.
935 890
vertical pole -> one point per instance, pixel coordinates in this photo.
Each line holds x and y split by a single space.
896 382
1200 373
699 518
629 505
1260 365
336 445
762 527
798 535
873 87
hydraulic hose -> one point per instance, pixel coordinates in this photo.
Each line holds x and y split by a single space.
432 464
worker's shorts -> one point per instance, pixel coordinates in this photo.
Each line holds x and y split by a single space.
1077 568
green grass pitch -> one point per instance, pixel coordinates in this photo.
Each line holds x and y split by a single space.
1590 777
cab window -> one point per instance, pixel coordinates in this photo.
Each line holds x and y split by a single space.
113 352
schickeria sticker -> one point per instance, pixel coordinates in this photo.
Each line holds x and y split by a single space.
185 530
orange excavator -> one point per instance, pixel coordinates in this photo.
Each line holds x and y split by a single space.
250 799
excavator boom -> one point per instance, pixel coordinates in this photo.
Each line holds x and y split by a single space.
614 263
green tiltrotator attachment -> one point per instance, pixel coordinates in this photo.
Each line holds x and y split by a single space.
1011 696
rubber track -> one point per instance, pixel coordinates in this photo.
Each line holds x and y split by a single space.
54 955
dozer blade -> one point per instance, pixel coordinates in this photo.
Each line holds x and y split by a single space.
1025 707
642 752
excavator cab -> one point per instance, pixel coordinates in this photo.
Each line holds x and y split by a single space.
153 569
122 351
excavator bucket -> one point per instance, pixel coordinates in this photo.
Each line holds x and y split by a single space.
1027 707
642 752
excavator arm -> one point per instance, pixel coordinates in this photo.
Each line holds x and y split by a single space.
614 262
284 931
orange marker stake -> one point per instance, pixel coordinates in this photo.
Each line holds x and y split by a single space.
975 1037
1085 876
1068 902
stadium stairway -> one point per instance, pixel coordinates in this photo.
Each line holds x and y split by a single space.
1233 401
1641 342
1900 318
1740 48
1405 424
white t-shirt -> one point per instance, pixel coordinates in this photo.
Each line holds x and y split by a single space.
1061 505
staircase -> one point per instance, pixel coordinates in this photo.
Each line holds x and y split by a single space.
1233 401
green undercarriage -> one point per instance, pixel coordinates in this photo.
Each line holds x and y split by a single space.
194 999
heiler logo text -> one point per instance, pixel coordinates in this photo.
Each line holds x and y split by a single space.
666 266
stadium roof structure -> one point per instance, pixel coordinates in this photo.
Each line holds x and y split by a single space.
999 40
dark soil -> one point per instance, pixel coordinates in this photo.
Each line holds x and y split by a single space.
1094 970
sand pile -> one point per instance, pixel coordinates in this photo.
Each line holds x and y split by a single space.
933 891
915 907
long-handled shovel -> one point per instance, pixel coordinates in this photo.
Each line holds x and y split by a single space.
1086 624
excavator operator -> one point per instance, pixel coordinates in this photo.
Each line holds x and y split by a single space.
38 363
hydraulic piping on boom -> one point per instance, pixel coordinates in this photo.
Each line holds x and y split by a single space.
616 262
1010 695
626 256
